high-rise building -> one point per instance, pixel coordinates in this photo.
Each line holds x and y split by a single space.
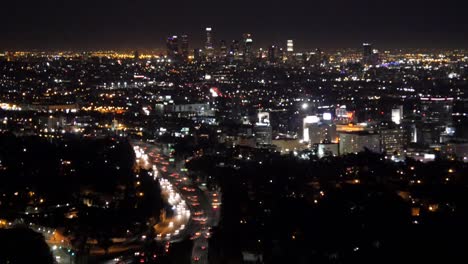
366 51
234 50
393 140
290 46
184 47
272 54
198 55
290 50
209 48
369 55
437 110
172 47
352 142
280 54
247 46
397 114
262 129
317 130
223 50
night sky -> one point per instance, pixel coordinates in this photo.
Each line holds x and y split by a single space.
144 24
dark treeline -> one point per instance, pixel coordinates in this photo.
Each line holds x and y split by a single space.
351 209
87 188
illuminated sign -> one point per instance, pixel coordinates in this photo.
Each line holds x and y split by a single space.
311 119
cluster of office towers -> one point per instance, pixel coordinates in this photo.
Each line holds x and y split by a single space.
178 49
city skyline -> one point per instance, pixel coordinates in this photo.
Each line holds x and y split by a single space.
259 132
51 25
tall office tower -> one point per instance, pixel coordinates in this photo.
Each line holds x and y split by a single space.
184 47
272 54
247 46
290 46
209 49
223 50
366 52
290 49
397 114
280 54
369 55
197 55
262 129
234 51
172 47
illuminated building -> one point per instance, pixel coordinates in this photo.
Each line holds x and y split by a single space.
223 50
263 134
458 150
369 56
350 128
290 46
172 46
436 117
209 49
438 110
234 51
197 54
264 118
397 115
315 131
191 110
262 129
327 150
353 142
366 52
184 47
272 54
319 133
290 49
392 140
247 46
343 116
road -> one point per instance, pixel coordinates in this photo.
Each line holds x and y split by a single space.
203 205
169 228
194 210
59 245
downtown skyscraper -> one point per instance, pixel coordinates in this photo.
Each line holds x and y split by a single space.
209 48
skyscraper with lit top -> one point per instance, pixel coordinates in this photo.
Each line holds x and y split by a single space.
172 46
209 49
247 43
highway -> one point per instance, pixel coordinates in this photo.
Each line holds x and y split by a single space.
169 228
196 210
